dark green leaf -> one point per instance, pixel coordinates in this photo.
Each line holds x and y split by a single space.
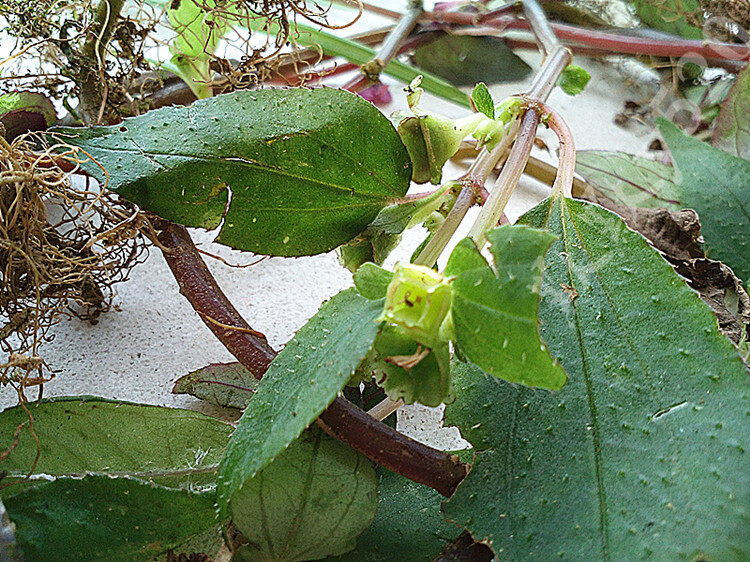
573 79
643 453
495 314
732 127
103 518
225 384
312 501
483 101
87 434
464 257
681 17
372 281
408 526
308 169
628 180
300 383
464 60
715 184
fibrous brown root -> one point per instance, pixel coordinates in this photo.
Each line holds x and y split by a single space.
62 248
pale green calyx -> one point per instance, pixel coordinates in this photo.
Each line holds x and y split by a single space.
418 300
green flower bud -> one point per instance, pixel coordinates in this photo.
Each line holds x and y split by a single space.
432 140
418 300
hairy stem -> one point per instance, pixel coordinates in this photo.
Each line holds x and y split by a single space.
342 419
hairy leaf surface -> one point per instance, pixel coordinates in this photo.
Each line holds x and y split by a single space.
717 186
643 452
103 518
300 383
88 434
307 169
495 312
312 501
628 180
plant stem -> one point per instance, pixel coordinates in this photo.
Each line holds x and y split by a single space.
389 49
92 84
342 419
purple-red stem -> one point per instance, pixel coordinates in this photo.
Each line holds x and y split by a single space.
342 419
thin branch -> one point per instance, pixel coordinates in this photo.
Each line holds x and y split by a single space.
342 419
389 49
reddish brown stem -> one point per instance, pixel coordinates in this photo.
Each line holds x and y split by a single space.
342 419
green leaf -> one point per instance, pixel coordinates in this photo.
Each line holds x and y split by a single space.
312 501
225 384
643 453
629 180
464 257
377 241
715 184
408 526
103 518
359 54
681 17
88 434
300 383
199 29
308 169
732 127
495 314
372 281
427 380
464 60
573 79
483 101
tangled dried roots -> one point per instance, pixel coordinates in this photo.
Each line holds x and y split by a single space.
61 250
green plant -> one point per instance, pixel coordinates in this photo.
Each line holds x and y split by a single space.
606 407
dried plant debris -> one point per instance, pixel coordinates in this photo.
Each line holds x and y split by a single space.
61 250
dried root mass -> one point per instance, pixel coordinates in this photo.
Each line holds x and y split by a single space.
61 250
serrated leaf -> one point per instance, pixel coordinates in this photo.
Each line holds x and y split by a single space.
312 501
628 180
464 60
573 79
681 17
732 126
643 453
308 169
408 526
495 313
103 518
300 383
88 434
224 384
715 184
372 281
482 99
